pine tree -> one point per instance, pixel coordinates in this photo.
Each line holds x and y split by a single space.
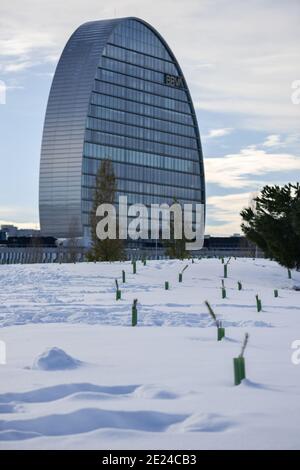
106 186
274 223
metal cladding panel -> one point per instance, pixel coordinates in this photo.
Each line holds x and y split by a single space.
64 127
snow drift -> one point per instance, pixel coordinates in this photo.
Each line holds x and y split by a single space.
55 359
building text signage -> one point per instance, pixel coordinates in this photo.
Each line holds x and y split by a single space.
172 80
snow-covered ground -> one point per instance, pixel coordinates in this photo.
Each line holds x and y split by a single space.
166 383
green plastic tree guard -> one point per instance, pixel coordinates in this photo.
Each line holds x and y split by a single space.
166 285
221 333
236 368
289 274
239 285
180 277
118 294
123 276
222 259
239 370
134 316
275 293
223 293
258 303
225 270
134 267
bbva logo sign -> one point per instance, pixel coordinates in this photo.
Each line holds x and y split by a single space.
172 80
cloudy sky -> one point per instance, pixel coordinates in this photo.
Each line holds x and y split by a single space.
240 60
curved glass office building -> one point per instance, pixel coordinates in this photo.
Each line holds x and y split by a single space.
118 93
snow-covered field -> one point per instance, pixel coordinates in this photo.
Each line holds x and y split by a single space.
165 384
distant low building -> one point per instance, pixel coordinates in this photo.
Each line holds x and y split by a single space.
50 250
235 245
9 230
29 242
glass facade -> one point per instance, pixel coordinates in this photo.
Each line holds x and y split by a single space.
138 113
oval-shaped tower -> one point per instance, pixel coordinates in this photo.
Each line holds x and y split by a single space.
118 92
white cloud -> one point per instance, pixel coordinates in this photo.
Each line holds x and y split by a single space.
24 225
24 49
213 133
239 170
288 141
17 67
23 217
272 140
245 67
51 58
17 44
226 209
